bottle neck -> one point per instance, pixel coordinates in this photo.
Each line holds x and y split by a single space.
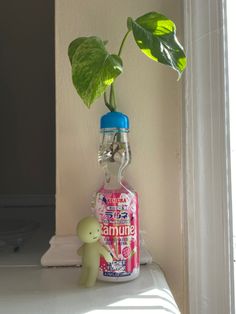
112 181
114 156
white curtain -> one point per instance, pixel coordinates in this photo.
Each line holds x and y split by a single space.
206 160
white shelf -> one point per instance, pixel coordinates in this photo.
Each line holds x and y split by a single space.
56 291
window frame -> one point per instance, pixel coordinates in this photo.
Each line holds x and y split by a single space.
206 161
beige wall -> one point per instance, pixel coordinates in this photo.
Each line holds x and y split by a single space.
151 96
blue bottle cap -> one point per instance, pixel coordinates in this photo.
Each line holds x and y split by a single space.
114 119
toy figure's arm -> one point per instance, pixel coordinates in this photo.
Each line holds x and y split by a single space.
80 251
104 252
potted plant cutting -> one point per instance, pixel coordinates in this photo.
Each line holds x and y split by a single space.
94 69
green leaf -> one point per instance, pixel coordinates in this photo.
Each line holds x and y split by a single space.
155 35
74 45
94 69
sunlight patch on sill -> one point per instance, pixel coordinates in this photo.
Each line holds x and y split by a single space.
146 303
136 311
151 301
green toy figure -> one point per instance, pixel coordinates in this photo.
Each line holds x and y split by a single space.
89 232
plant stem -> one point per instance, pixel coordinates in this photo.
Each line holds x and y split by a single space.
107 104
122 43
112 99
105 97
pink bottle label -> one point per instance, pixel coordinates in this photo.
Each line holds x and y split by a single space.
118 216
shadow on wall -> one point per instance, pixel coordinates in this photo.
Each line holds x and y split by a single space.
27 111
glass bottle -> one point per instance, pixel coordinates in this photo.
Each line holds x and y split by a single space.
116 203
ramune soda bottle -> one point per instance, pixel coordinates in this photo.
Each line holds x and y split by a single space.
116 203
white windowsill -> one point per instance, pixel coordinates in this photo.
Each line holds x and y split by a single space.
56 291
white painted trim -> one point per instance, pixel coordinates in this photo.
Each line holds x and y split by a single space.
63 252
206 160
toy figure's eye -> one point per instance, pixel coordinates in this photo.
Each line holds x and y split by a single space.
90 232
